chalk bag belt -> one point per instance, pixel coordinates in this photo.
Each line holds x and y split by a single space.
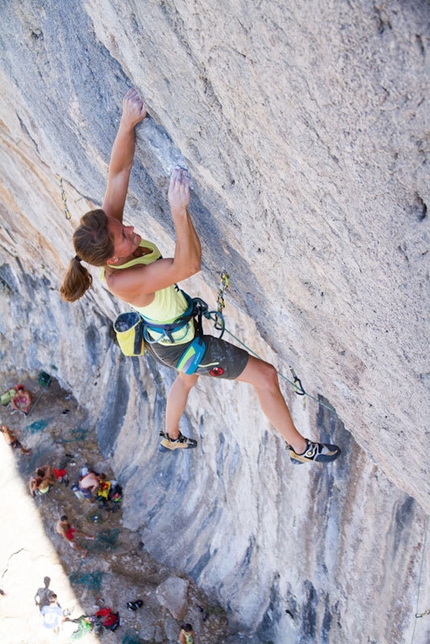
194 353
166 329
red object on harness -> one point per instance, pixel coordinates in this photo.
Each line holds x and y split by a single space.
216 371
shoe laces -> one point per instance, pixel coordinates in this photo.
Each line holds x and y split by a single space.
181 439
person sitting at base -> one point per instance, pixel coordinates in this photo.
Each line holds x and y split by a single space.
22 400
89 484
42 482
12 441
66 530
85 625
187 635
136 273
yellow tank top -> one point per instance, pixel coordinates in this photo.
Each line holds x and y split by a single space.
168 304
188 637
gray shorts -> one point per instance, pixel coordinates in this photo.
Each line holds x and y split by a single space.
221 359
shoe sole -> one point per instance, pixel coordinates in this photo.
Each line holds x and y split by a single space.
321 458
162 448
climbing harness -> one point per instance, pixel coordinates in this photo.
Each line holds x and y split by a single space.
64 197
192 356
132 329
165 330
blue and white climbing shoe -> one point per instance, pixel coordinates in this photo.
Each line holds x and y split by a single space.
318 452
182 442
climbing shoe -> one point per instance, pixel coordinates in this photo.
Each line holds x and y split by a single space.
182 442
319 452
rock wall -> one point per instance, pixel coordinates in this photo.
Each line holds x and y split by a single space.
305 127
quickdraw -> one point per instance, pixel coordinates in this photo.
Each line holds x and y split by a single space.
64 197
223 285
297 383
201 309
426 612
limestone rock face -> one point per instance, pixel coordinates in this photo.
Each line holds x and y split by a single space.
305 127
172 594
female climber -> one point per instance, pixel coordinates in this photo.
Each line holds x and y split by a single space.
136 273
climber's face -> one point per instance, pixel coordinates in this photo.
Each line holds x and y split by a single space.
125 240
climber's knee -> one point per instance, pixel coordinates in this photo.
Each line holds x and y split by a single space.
260 374
186 380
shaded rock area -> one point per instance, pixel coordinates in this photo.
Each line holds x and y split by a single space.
305 127
116 570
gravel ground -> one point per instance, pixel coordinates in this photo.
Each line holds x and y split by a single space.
116 568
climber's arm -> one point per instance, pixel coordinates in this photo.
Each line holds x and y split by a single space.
122 154
137 284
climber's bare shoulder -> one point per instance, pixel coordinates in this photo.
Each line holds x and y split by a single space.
130 285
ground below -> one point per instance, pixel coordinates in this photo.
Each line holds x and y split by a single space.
115 570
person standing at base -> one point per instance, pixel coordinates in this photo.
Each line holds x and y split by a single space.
66 530
136 273
52 614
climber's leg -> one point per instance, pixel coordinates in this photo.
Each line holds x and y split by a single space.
264 378
176 403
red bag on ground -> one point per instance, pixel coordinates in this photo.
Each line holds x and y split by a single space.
111 619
